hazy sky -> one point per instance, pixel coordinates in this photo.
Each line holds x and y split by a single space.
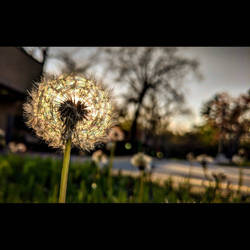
223 68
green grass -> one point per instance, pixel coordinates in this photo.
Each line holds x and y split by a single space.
245 164
25 179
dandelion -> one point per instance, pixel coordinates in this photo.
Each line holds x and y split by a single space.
204 159
142 162
190 157
17 147
239 160
115 134
12 147
69 110
2 137
70 106
21 147
219 176
99 157
241 152
2 133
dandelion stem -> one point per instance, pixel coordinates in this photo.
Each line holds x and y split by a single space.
240 181
65 170
97 171
141 188
190 171
112 153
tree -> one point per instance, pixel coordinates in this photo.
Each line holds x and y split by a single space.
231 116
70 65
239 120
44 54
217 112
151 72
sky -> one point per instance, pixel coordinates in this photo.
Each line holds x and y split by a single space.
224 69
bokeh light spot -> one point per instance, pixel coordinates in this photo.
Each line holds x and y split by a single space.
128 146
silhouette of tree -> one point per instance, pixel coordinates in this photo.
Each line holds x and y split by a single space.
43 54
72 66
231 116
217 113
239 120
152 71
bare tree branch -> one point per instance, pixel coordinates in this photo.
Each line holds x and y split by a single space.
150 73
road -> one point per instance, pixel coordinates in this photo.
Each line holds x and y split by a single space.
178 170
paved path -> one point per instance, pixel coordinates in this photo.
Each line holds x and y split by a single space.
178 170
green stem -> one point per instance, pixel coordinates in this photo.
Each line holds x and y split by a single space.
141 188
205 173
98 171
240 181
65 170
112 153
190 171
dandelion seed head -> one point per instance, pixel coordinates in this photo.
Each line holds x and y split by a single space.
237 159
12 147
241 152
116 134
190 156
204 158
70 106
219 175
99 157
2 133
142 161
21 147
17 147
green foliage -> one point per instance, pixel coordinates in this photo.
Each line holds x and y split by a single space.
25 179
207 135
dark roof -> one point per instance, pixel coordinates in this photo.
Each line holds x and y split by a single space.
28 55
18 70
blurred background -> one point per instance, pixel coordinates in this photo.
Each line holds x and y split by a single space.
173 103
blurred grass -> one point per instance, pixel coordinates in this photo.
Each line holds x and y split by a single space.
26 179
245 164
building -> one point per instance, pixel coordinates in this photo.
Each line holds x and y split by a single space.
18 71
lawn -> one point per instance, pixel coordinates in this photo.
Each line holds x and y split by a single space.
27 179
